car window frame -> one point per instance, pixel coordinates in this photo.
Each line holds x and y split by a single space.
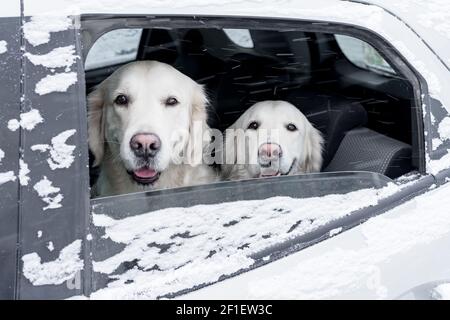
401 66
92 23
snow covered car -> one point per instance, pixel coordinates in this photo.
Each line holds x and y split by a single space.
370 75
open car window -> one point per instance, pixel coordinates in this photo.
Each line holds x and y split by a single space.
154 243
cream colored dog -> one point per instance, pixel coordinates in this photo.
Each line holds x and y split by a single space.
141 129
271 138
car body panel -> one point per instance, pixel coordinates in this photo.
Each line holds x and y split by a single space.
64 109
430 19
10 76
381 259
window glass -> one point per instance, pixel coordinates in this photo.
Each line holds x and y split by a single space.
114 47
363 54
280 67
241 37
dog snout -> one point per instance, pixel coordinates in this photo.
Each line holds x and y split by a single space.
145 144
269 152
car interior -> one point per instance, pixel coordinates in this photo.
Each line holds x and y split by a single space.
364 115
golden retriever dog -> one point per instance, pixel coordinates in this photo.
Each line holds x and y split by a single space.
272 138
141 123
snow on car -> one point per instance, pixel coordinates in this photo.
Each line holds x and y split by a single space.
370 75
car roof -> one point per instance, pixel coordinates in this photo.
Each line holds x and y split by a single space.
430 19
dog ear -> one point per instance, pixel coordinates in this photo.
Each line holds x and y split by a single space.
96 124
312 150
199 132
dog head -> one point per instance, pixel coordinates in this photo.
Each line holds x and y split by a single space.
144 113
272 138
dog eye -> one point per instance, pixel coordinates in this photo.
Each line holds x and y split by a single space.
291 127
253 125
171 101
121 100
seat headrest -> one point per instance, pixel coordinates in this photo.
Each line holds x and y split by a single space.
333 115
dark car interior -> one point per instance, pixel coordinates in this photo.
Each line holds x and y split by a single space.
365 116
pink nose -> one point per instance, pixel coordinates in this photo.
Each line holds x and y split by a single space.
145 144
269 151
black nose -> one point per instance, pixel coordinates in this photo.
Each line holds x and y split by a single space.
145 144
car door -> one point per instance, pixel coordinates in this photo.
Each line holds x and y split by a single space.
51 211
10 77
69 249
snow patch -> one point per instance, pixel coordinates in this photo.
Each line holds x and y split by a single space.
6 177
50 246
48 193
436 142
57 58
23 173
37 30
61 154
178 248
13 124
335 231
444 129
39 233
28 120
436 166
54 272
3 46
59 82
2 155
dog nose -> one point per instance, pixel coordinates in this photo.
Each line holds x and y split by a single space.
269 151
145 144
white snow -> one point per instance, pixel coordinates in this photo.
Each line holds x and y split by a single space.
196 245
23 173
61 154
444 129
6 177
442 292
59 82
39 233
436 142
13 124
28 120
54 272
434 85
57 58
335 231
365 262
436 166
2 155
48 193
50 246
3 46
89 237
339 269
37 30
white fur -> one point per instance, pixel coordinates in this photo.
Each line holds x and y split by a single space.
301 149
148 84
